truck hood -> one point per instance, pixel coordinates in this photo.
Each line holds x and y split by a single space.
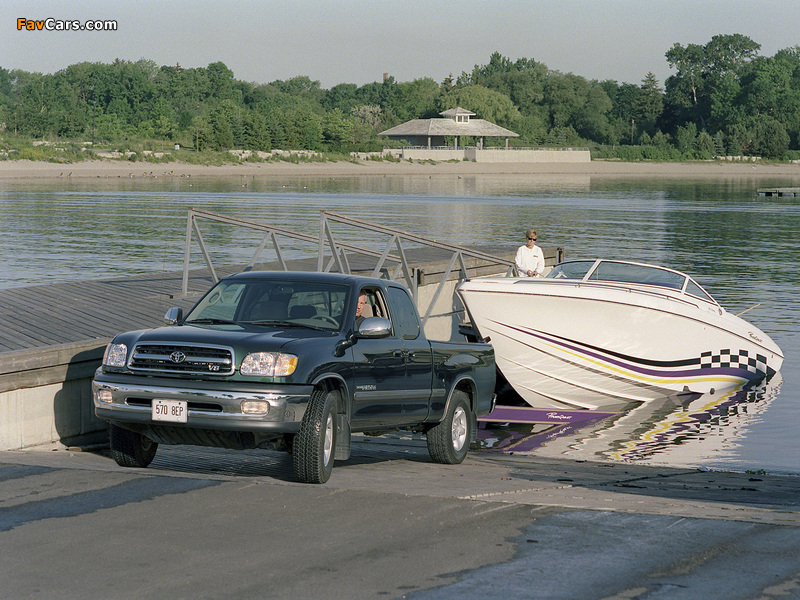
249 338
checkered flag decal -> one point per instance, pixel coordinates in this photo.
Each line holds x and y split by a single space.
737 360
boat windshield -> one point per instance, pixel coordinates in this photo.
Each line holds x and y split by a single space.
633 273
626 272
574 269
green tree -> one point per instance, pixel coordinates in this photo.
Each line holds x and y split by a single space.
337 131
648 104
770 139
705 145
202 133
221 81
700 71
277 128
686 138
485 103
255 134
416 99
225 125
304 129
342 96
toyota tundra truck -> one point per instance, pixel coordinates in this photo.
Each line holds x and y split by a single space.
296 362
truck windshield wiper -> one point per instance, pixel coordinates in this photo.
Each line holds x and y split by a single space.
278 323
210 322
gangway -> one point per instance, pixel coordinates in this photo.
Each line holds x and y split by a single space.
391 262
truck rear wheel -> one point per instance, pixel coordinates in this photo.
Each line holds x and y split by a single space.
448 442
314 445
130 449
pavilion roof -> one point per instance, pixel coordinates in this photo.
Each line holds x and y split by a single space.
448 127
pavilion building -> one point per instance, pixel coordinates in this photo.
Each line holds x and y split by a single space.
455 123
427 139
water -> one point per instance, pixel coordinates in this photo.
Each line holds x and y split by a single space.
742 248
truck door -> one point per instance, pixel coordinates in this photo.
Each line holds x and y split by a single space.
379 374
416 352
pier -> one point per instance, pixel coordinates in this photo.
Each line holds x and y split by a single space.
52 337
779 192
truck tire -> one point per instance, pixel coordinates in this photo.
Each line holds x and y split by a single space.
130 449
448 442
314 445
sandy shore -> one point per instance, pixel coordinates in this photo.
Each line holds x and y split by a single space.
22 169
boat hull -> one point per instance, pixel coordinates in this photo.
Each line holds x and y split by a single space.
600 346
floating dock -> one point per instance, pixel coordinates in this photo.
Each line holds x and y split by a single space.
779 192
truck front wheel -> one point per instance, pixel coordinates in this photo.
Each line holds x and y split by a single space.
448 442
130 449
314 445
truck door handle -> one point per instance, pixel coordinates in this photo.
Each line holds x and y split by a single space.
398 353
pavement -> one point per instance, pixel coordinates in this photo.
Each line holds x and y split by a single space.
211 523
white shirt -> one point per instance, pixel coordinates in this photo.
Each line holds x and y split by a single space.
530 259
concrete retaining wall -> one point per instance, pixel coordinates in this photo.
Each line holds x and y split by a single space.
499 155
45 396
524 155
435 154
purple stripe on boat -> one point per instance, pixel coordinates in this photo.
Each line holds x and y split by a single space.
526 414
696 372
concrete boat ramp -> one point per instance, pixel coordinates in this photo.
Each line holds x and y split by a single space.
210 523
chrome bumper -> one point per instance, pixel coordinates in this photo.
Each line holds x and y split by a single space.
209 406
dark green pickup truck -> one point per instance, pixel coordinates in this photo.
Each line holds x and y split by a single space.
293 361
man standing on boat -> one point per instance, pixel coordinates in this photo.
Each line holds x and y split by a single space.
530 259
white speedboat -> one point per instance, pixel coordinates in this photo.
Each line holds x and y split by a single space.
601 334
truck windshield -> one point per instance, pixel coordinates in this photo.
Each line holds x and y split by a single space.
261 302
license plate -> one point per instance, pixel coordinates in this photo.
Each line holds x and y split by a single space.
175 411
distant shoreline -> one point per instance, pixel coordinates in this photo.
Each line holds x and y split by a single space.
24 169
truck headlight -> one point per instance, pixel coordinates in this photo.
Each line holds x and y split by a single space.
268 364
115 355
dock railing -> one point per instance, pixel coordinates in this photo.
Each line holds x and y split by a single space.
398 240
391 262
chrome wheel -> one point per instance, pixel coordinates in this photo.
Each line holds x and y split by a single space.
327 450
460 428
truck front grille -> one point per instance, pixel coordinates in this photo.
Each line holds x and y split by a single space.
182 359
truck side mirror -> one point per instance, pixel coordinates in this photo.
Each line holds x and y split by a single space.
173 315
374 327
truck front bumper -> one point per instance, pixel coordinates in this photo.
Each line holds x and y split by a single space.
127 401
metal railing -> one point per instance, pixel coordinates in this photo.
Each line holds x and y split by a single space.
397 239
392 262
271 234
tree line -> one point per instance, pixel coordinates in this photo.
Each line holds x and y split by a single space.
723 99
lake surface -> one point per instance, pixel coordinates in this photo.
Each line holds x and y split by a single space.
742 248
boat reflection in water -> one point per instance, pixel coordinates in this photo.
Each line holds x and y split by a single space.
664 432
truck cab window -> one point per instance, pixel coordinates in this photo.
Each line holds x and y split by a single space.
404 315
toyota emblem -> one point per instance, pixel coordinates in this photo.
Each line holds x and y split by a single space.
177 356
